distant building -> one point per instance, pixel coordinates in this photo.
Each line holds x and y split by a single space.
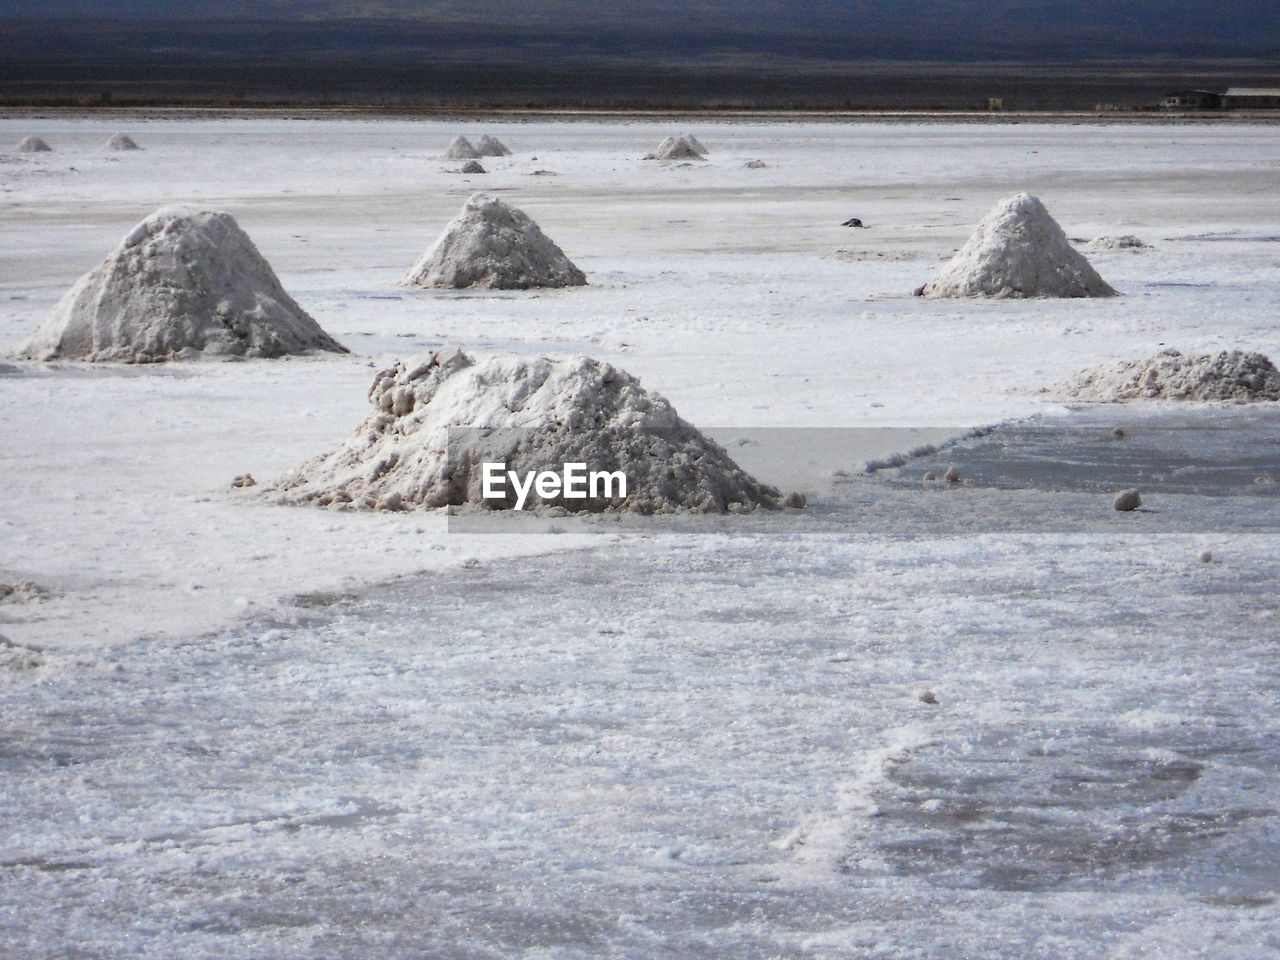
1192 100
1252 98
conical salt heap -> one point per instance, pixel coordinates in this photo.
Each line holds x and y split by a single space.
33 145
678 148
439 416
1018 250
696 144
185 282
488 146
121 141
460 149
490 244
1233 376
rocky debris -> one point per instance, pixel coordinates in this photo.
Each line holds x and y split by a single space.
1128 501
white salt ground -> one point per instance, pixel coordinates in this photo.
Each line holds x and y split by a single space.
1018 250
740 315
662 711
184 283
533 414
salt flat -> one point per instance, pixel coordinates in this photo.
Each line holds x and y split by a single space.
678 746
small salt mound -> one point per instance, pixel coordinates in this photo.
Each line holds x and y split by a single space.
121 141
1125 241
489 146
696 144
492 245
460 149
185 282
676 148
15 658
473 166
33 145
533 414
1169 375
1018 250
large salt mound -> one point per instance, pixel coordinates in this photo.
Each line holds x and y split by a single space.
678 148
490 244
183 283
488 146
460 149
533 414
33 145
1018 250
121 141
1169 375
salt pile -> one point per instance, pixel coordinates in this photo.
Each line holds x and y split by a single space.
678 148
492 245
460 149
1018 250
1169 375
492 147
16 658
1126 241
185 282
473 166
33 145
533 414
696 144
121 141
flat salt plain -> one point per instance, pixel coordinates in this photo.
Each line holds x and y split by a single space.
271 732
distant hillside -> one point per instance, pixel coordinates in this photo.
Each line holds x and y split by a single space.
825 29
650 52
